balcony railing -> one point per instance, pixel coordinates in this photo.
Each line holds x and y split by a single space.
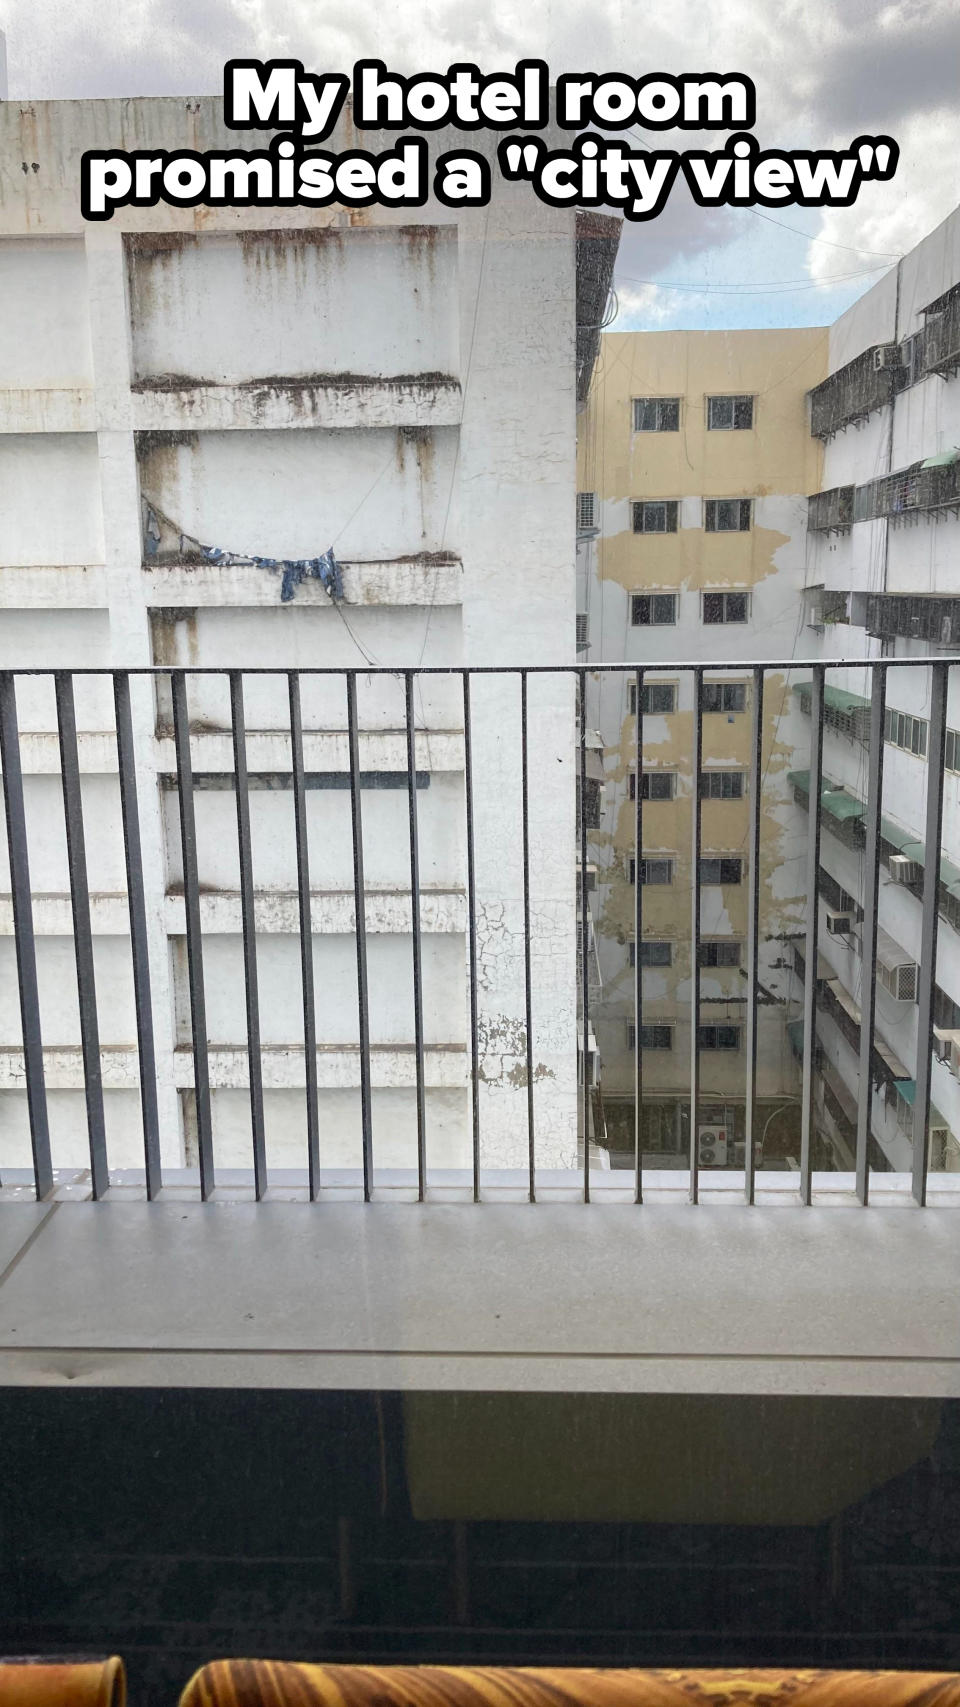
405 904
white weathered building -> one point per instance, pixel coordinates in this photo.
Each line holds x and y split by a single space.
883 579
277 382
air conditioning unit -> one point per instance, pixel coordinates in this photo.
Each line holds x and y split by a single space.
885 357
903 870
900 981
839 924
712 1146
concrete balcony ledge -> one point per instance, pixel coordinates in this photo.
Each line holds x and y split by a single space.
68 586
58 409
549 1297
177 402
432 578
277 912
392 1067
267 750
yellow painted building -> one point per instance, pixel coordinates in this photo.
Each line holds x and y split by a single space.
695 462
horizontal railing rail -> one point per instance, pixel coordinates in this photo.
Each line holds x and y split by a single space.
497 1058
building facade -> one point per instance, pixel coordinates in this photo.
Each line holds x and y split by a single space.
271 384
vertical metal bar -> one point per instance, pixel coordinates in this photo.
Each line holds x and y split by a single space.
417 951
697 764
584 935
928 928
527 977
637 947
868 943
813 932
191 905
248 923
139 951
82 932
306 935
753 938
472 937
359 894
24 943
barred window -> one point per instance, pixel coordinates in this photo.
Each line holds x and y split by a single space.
721 785
726 607
651 1037
727 515
654 785
659 699
655 515
724 696
653 610
656 414
723 953
718 1037
726 414
718 868
653 952
652 871
951 756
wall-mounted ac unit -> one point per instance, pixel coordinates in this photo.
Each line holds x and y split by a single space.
885 357
712 1146
904 870
899 981
839 924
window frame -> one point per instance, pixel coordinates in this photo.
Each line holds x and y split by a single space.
724 594
720 860
671 515
736 400
653 622
637 403
669 776
724 710
723 776
726 942
583 526
667 860
716 1027
651 942
648 687
664 1028
711 510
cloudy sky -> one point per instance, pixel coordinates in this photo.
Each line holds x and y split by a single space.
826 71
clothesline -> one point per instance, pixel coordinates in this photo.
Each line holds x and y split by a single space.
293 571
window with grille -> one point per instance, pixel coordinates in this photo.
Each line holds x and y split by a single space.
653 952
659 699
908 732
586 509
721 785
654 785
718 1037
951 754
583 629
652 871
720 869
655 515
726 607
722 953
653 610
727 515
725 414
651 1037
656 414
724 696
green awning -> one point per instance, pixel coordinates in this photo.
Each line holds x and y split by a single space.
841 805
895 834
907 1089
833 798
943 459
838 698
